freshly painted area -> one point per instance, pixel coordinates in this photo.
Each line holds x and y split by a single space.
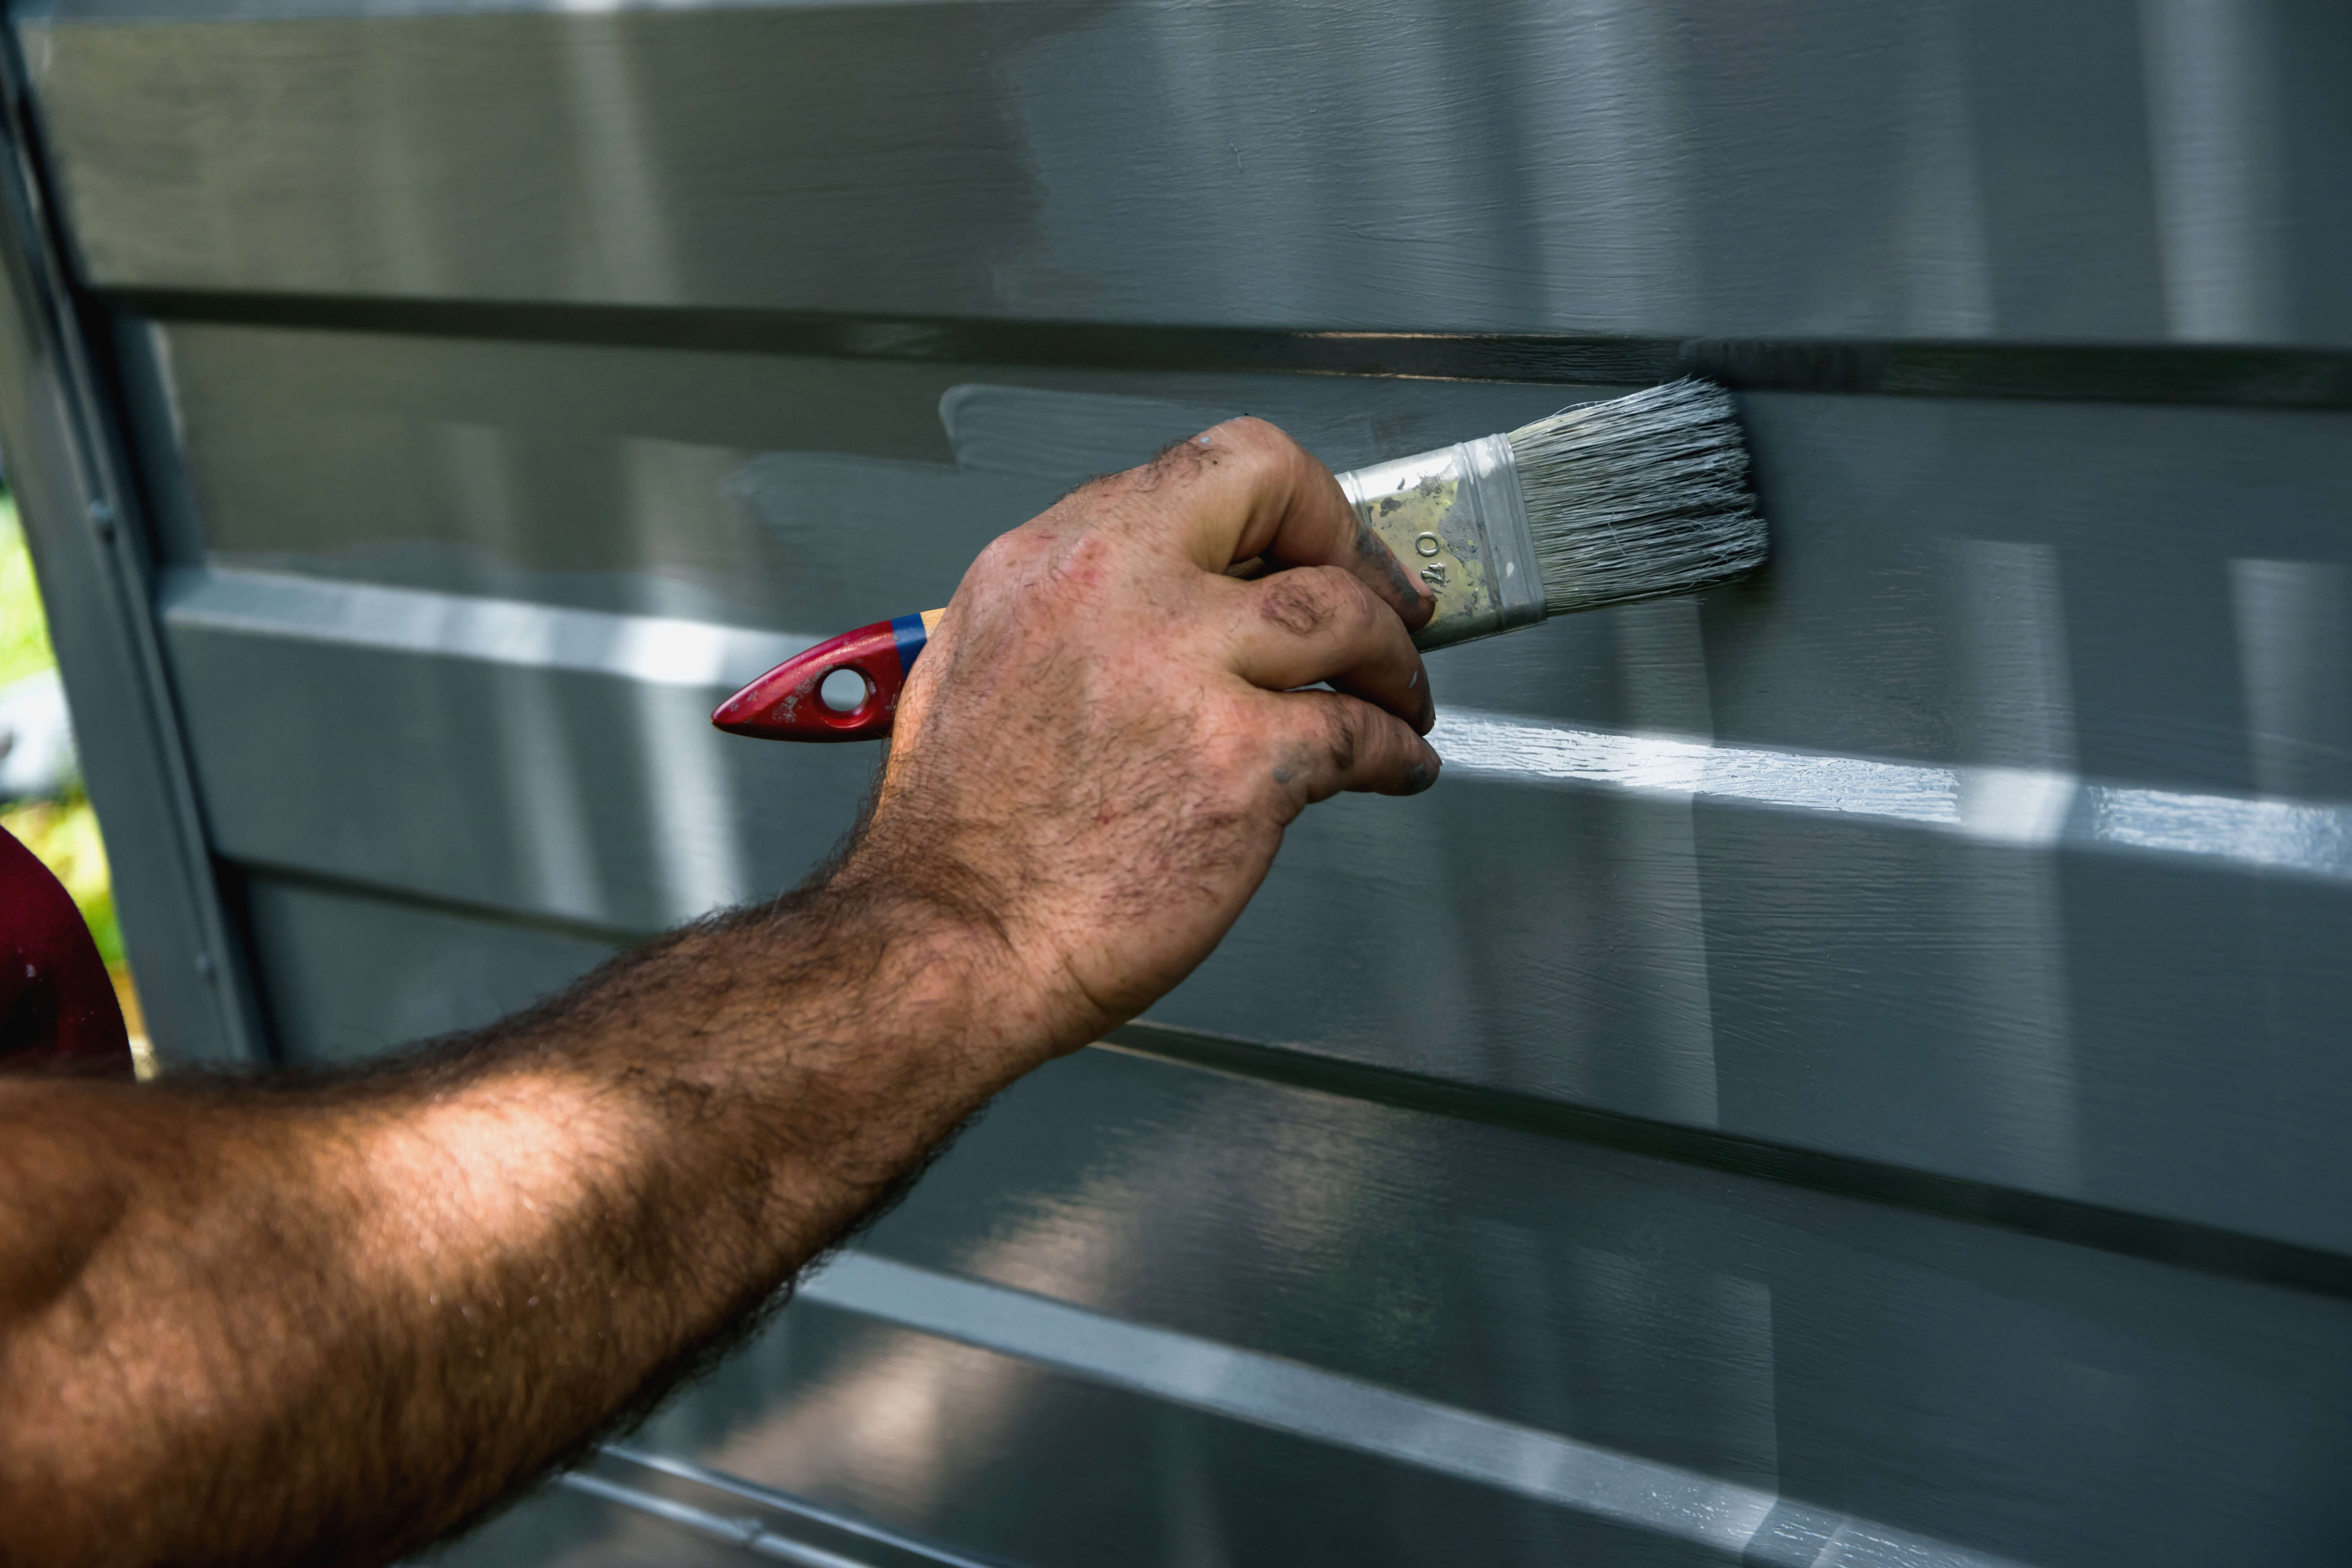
2033 809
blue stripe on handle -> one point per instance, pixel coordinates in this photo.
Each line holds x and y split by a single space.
908 630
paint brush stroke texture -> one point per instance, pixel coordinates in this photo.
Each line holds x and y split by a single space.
2171 170
2005 805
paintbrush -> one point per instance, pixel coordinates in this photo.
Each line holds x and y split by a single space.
1600 504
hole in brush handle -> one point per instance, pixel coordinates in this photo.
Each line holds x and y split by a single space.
791 704
845 689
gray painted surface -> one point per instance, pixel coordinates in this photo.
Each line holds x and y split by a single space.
1850 1067
2107 170
1979 747
353 977
2005 1394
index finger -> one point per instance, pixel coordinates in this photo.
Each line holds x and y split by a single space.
1261 493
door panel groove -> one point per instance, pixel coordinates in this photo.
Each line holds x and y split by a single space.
2180 373
2208 1249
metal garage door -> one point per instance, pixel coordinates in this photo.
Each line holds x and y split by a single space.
1849 1070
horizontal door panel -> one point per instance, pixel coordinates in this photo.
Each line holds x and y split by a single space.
2064 1015
2036 999
583 796
1840 1359
1846 1360
1490 1321
2017 852
2162 597
2111 173
1002 1459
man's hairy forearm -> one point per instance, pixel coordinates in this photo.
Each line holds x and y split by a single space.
331 1319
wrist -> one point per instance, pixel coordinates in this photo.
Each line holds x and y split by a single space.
940 960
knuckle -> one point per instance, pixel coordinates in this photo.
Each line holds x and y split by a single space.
1173 462
1301 602
1007 555
1343 733
1260 447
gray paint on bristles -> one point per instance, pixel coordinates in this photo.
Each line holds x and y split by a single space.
1639 496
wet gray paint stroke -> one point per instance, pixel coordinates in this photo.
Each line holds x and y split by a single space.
2029 807
1366 1418
2294 623
2023 807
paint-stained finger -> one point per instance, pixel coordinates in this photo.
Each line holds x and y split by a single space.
1249 490
1319 624
1327 741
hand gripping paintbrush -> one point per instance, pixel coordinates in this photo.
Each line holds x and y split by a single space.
1600 504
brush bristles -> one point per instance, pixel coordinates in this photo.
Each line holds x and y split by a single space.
1639 496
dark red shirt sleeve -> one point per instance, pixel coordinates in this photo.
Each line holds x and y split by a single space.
57 1009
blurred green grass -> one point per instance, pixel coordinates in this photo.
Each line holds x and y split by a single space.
64 832
24 629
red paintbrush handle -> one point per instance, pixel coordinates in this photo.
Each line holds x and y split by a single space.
788 703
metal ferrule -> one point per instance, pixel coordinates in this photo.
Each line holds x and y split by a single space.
1455 518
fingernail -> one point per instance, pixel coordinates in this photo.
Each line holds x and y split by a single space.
1420 778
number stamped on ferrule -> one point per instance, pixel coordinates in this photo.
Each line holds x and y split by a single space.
1454 517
